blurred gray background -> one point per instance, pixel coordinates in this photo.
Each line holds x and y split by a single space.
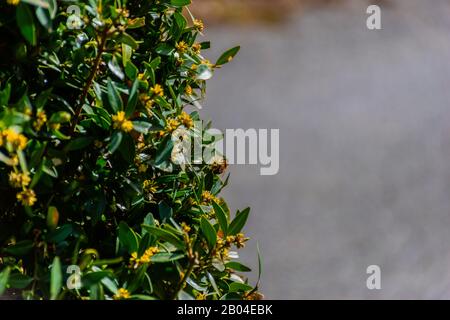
364 119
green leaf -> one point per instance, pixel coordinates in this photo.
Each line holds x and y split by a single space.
165 235
239 221
227 56
221 217
4 276
180 3
236 287
55 279
164 151
209 232
128 40
39 3
165 212
133 98
93 278
128 238
114 98
237 266
60 234
26 23
136 23
116 140
167 257
78 143
127 51
127 149
19 281
21 248
164 49
52 217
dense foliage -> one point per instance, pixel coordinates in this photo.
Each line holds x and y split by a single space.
94 202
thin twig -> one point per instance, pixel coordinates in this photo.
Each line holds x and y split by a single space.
89 81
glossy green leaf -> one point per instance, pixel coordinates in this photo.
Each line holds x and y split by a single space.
228 55
221 217
128 238
4 277
209 232
239 221
55 279
115 101
26 24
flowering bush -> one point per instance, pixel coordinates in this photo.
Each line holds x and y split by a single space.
94 203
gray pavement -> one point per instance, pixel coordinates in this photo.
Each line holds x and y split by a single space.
364 119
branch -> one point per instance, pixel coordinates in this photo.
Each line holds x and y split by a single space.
89 81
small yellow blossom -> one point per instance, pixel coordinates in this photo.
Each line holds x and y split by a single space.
172 125
41 119
185 227
136 262
188 90
186 120
141 76
55 126
18 180
200 296
121 123
14 161
122 294
27 197
13 2
149 186
181 47
142 168
198 24
240 240
208 197
157 90
196 48
18 141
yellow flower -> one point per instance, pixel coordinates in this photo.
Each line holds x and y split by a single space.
18 141
55 126
27 197
14 161
18 180
240 240
181 47
186 120
149 186
198 24
41 119
149 103
188 90
172 125
142 168
196 47
13 2
122 294
121 123
200 296
185 227
208 197
157 90
141 76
